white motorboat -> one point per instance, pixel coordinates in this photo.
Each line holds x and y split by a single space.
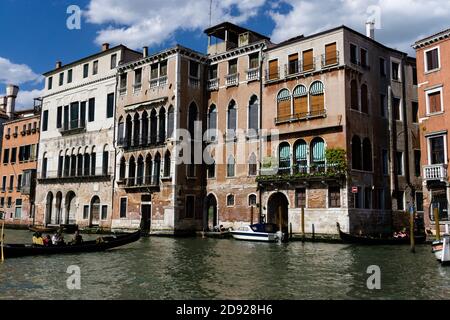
257 232
441 250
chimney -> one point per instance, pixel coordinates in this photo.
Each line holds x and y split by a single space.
58 64
145 52
3 103
370 29
105 46
11 95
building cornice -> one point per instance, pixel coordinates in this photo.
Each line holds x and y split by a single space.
238 51
432 39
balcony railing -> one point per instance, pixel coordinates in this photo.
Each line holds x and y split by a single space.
302 116
232 80
302 171
137 87
141 182
194 82
272 75
158 82
73 127
435 172
213 84
73 177
142 142
122 91
253 74
329 60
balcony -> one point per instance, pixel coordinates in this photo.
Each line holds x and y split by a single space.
158 82
140 183
141 143
137 87
272 75
73 127
298 67
437 172
54 177
213 84
123 91
302 116
330 60
253 74
232 80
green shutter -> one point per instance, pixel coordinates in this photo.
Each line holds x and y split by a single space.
300 91
316 88
301 150
318 150
284 95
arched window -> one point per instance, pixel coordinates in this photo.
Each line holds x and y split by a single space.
87 163
300 95
93 162
137 130
153 127
356 153
60 164
252 200
232 117
132 172
167 164
253 114
140 171
122 169
44 166
364 99
144 121
301 156
129 131
73 163
80 163
284 156
148 170
170 122
231 167
367 155
162 125
211 167
95 210
283 105
317 98
354 95
252 165
105 160
67 164
157 169
212 122
121 132
230 200
318 154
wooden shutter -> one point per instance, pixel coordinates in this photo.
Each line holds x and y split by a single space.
301 106
293 57
273 69
284 110
308 61
330 54
435 102
317 103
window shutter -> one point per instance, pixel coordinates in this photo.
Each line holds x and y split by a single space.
308 60
273 69
330 54
301 151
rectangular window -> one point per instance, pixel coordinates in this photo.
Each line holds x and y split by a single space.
110 105
194 69
154 71
69 76
83 114
18 209
357 200
434 101
334 197
385 164
163 69
123 207
50 83
230 200
415 112
86 70
396 109
254 61
113 61
417 156
85 212
4 183
232 67
104 212
395 71
9 202
11 183
293 64
138 77
91 110
300 198
19 182
95 68
437 150
331 56
45 120
400 200
66 122
308 60
190 207
382 67
123 83
2 202
213 72
432 60
399 163
5 156
74 115
353 54
59 118
419 201
61 78
273 69
383 106
367 198
414 76
13 155
364 58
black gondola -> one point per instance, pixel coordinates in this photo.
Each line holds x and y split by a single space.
101 244
348 238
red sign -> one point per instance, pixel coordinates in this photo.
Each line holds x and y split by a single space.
354 189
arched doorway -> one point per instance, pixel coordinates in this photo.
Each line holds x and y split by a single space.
278 210
70 208
58 208
48 208
95 211
211 212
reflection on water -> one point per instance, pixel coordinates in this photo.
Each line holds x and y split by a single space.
165 268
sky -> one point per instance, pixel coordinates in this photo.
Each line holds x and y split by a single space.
36 32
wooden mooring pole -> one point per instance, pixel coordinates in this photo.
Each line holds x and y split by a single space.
411 231
436 223
2 237
303 225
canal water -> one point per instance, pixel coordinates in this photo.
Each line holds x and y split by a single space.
166 268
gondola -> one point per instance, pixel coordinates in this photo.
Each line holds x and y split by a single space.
101 244
348 238
66 228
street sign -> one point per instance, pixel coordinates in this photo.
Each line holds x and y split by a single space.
354 189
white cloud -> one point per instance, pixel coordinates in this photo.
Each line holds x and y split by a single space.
25 99
16 73
402 21
150 22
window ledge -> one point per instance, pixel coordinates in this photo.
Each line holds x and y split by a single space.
435 114
432 71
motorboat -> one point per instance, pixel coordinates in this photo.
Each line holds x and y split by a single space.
265 232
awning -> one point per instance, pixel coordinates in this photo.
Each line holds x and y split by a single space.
301 151
284 95
316 88
300 91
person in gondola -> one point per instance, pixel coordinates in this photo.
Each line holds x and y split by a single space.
47 241
77 239
37 239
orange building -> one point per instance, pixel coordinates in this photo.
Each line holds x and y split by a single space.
18 167
433 69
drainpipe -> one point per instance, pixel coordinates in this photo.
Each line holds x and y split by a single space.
392 130
261 69
115 146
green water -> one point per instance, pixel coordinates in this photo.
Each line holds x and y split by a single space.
165 268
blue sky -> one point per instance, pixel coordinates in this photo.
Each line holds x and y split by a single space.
35 35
